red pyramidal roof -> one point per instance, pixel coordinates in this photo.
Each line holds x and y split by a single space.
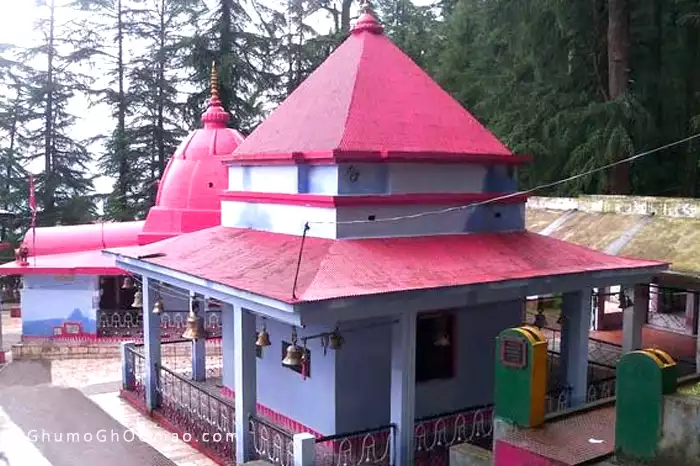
369 100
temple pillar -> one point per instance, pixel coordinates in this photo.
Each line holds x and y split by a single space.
199 355
403 388
245 379
601 299
633 319
576 308
227 347
691 311
654 297
151 340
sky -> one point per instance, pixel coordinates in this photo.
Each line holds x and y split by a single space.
17 27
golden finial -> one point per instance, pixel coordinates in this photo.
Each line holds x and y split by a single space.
214 82
215 116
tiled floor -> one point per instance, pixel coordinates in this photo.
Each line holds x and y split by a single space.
677 345
573 440
160 439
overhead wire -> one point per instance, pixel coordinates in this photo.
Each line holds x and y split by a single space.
509 195
485 202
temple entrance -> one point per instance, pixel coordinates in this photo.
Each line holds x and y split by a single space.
116 315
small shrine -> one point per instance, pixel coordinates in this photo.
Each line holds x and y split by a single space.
372 246
71 289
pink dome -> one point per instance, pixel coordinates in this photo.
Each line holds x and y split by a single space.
188 193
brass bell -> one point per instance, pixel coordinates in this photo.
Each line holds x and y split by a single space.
128 283
192 332
158 306
263 339
442 341
442 337
335 340
540 319
293 357
138 299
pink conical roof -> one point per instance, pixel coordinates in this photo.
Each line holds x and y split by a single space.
369 98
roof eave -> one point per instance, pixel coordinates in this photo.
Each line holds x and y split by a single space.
343 156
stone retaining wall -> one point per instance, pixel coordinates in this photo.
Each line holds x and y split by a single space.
97 350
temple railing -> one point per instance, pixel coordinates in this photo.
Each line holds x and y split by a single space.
136 374
434 435
370 447
128 323
201 417
270 442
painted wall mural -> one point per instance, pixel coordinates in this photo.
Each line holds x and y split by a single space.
57 305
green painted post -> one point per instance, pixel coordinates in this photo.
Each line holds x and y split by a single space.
521 376
643 377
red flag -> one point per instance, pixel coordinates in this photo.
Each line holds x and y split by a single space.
32 200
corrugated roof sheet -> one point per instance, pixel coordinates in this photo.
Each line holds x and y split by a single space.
265 263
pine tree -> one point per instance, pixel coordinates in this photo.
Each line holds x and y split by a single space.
14 117
413 28
229 35
156 78
106 37
65 186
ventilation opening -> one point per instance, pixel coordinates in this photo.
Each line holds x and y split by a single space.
372 218
211 185
497 215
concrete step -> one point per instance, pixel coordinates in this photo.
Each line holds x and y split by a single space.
466 454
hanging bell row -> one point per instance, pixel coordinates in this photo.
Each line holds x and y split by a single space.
335 340
158 306
293 356
263 339
128 283
138 299
194 330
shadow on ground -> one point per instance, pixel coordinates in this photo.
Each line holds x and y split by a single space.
65 425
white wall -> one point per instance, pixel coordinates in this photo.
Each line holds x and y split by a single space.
267 179
359 178
278 218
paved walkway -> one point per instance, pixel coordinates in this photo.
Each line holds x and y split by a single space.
68 413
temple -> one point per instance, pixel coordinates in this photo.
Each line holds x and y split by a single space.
373 239
70 288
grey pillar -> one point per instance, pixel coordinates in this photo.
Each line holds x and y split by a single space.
576 308
633 319
151 339
246 379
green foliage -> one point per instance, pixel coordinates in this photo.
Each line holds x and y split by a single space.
535 72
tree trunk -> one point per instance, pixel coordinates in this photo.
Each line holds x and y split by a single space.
122 187
160 118
226 87
48 124
618 74
345 16
692 47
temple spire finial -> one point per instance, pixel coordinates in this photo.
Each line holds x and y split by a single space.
367 20
215 116
214 82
